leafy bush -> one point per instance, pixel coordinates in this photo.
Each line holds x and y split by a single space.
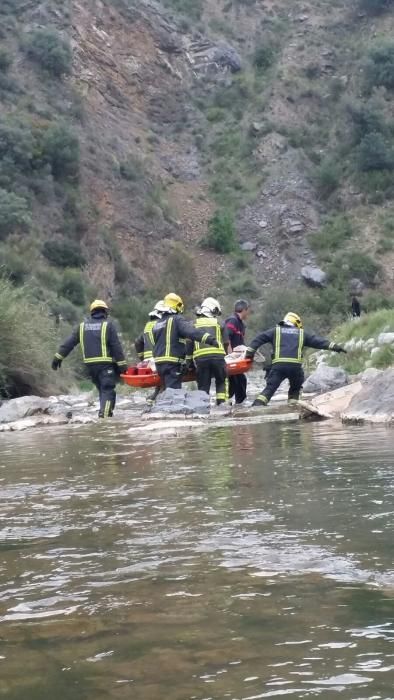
374 153
221 232
353 264
265 55
5 60
14 214
384 357
179 273
61 150
47 48
374 7
13 266
366 117
131 169
190 8
375 300
328 176
380 65
63 254
72 287
16 146
27 342
335 232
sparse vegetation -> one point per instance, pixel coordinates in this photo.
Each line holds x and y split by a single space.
14 214
221 232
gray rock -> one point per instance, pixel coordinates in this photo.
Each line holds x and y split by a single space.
294 226
248 246
369 375
263 223
314 276
385 338
326 378
182 402
356 286
15 409
261 254
227 57
375 402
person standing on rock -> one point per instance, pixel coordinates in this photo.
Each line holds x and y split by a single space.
209 361
236 331
102 354
170 333
288 340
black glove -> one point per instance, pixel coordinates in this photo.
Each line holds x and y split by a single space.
56 363
212 341
249 354
339 348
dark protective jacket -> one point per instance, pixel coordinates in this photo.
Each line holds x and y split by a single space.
288 343
236 330
199 351
99 342
356 307
145 342
169 335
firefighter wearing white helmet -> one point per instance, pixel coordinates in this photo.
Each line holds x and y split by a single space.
145 341
101 351
209 361
170 333
288 340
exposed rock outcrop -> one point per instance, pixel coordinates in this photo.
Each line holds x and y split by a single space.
325 378
375 402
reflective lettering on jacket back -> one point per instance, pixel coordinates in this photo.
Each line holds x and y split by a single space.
89 326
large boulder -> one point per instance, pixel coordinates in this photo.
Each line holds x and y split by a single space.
314 276
375 402
182 402
325 378
16 409
386 338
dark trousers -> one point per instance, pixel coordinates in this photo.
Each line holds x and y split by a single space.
238 383
104 377
206 370
170 374
278 373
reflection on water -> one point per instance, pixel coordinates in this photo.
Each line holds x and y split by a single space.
225 564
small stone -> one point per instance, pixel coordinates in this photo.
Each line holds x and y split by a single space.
385 338
261 254
263 223
248 246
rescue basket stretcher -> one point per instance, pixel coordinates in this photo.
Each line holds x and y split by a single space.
143 377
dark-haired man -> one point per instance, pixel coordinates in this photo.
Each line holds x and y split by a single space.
236 330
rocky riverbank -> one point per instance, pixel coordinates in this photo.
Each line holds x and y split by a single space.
333 394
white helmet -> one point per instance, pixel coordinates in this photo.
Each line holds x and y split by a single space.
158 310
210 307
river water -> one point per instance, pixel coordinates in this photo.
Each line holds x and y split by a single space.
230 563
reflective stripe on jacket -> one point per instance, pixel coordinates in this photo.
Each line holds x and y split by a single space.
288 343
99 342
212 326
169 335
145 342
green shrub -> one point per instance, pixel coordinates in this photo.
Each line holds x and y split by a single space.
5 60
353 264
27 342
243 285
265 55
328 176
190 8
335 232
221 232
375 7
47 48
60 148
384 357
14 214
374 153
366 118
380 65
63 253
13 265
16 145
375 300
179 273
72 287
131 169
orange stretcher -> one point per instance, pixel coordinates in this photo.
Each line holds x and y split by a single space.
143 377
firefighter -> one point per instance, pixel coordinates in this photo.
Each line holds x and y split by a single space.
102 354
168 333
236 331
144 343
288 340
209 361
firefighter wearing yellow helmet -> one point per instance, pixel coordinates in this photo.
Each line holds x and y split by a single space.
288 340
101 351
208 361
170 333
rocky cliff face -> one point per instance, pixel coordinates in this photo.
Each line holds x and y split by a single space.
229 105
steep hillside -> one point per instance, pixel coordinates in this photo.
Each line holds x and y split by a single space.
127 126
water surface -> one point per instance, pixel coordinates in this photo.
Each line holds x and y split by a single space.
241 564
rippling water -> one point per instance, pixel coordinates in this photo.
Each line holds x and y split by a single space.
233 563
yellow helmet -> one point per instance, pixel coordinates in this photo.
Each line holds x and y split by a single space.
293 318
174 302
98 304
